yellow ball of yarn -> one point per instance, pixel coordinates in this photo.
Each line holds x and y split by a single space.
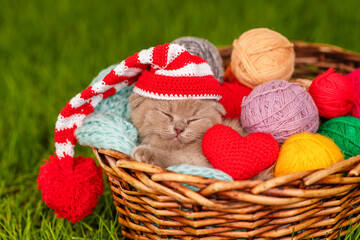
306 151
262 55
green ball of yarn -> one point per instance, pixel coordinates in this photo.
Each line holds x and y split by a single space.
345 131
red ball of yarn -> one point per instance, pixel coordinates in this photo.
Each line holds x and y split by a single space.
240 157
354 77
333 94
233 94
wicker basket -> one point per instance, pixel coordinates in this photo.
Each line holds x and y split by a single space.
152 202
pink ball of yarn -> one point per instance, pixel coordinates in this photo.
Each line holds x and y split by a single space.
279 108
354 76
333 94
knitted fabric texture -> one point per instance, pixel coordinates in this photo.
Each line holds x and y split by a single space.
240 157
345 131
109 131
164 72
109 125
261 55
279 108
354 77
118 103
306 151
185 76
201 172
333 94
207 51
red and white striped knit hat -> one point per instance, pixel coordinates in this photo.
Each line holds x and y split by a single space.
71 185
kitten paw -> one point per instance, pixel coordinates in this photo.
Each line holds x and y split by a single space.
144 153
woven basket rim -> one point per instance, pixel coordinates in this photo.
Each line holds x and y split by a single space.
305 199
325 47
309 177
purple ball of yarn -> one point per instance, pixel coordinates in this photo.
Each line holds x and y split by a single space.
279 108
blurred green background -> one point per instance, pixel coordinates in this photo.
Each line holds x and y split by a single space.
51 50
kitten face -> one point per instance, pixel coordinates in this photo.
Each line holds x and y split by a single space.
173 124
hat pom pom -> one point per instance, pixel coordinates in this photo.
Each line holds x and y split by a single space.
71 191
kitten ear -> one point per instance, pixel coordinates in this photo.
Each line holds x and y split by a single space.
135 100
220 108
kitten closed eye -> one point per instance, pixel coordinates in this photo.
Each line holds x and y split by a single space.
167 115
192 120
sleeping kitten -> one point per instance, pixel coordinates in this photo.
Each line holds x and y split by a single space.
171 131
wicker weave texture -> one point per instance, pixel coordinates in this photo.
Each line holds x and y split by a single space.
153 203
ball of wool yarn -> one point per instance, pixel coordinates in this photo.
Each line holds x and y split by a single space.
333 94
345 131
306 151
262 55
233 94
207 51
354 77
279 108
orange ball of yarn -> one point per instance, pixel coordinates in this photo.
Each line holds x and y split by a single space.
262 55
333 94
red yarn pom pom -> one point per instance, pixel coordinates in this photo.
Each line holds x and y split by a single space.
333 94
71 191
233 94
240 157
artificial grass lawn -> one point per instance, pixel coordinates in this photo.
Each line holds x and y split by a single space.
51 50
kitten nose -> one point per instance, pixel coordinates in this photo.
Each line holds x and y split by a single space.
178 130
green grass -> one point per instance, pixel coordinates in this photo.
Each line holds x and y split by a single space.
50 51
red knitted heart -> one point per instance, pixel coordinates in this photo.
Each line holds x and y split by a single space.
240 157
